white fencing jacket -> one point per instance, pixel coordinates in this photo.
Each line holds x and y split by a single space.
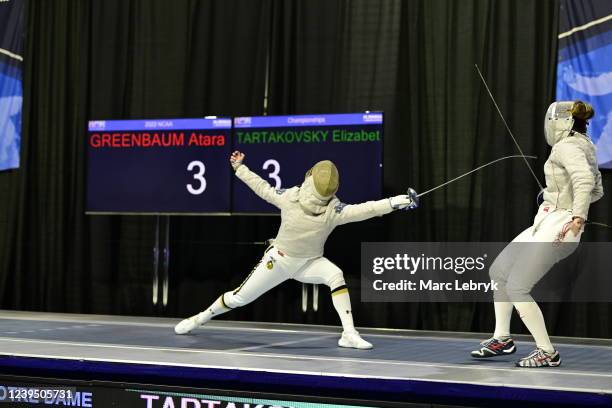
573 180
307 221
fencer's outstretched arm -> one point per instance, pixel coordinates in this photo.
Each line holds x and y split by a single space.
259 186
343 213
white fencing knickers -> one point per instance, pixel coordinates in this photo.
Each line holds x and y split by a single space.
276 267
520 266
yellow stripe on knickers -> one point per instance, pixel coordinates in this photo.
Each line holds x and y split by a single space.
338 292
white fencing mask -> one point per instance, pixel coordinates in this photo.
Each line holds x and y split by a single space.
558 122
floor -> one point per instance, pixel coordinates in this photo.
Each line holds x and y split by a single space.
310 350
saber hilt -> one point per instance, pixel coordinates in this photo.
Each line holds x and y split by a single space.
412 194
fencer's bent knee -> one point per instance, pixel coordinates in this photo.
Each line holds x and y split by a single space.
518 291
336 281
234 299
497 272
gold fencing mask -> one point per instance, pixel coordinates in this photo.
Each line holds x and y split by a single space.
325 178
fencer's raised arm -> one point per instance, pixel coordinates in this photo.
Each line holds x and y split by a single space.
259 186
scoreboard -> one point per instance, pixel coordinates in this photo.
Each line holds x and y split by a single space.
159 166
181 166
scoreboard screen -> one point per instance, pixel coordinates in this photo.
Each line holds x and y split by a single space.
181 166
159 166
282 148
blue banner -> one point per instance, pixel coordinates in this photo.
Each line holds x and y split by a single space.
11 74
584 69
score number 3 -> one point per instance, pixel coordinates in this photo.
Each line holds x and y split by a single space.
201 169
274 175
199 176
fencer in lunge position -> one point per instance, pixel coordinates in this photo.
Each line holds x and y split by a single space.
573 182
309 213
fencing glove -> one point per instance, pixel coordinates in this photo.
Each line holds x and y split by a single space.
408 201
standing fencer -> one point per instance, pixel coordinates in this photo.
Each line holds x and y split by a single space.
573 182
309 213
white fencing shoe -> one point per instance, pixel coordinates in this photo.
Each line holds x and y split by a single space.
353 340
187 325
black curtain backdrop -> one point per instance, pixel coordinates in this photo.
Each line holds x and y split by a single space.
412 59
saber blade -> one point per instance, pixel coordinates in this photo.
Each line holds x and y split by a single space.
599 224
473 171
508 127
